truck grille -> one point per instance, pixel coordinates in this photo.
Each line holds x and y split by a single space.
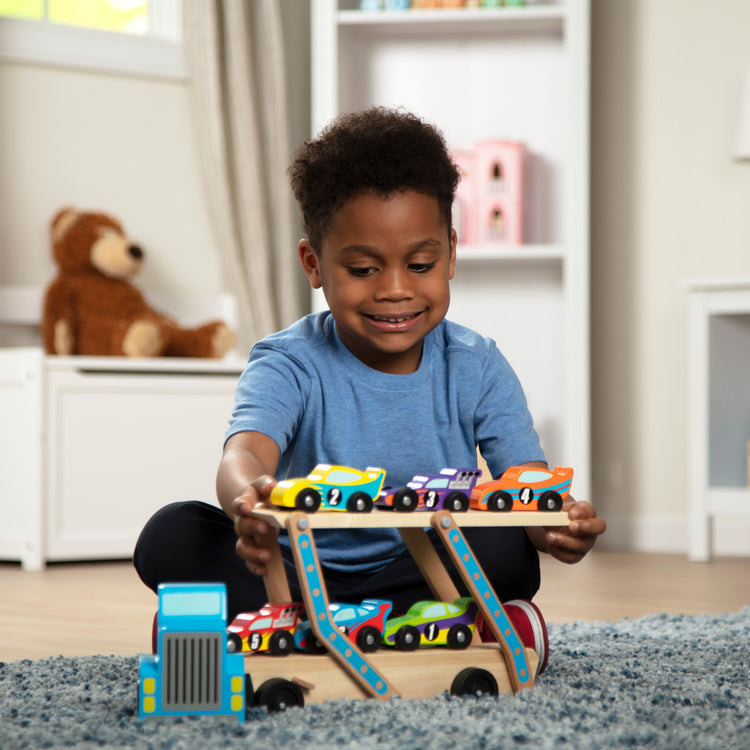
191 671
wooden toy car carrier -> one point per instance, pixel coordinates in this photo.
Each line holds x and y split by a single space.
344 671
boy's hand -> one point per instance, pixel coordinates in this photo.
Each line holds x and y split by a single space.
571 543
252 534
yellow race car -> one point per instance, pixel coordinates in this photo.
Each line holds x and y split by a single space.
330 488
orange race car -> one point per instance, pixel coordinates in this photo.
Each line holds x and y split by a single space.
524 488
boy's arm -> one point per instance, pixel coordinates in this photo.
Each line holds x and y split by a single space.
570 543
245 479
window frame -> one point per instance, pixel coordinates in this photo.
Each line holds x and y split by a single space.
158 54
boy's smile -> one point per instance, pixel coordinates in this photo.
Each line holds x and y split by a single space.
384 267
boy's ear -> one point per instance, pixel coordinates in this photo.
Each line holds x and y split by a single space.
310 263
454 242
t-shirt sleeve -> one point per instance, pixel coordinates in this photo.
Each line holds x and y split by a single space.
504 427
270 396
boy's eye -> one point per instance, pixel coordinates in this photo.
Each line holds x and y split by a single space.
421 267
361 271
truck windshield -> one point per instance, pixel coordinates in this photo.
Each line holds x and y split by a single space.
179 604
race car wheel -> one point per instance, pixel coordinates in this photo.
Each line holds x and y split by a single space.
368 639
281 643
456 502
550 500
359 502
234 643
500 501
405 500
278 694
474 681
407 638
308 500
459 637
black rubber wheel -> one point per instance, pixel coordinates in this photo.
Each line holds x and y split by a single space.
359 502
405 500
308 500
369 639
550 500
407 638
234 643
474 681
278 694
500 502
281 643
459 637
456 502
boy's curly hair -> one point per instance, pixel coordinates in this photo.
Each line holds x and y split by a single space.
379 151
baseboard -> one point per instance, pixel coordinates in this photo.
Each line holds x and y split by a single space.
669 535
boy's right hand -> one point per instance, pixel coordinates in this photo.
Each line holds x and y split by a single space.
253 535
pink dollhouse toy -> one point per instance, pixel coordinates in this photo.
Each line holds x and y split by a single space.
499 175
488 208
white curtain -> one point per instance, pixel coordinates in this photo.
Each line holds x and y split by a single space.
235 56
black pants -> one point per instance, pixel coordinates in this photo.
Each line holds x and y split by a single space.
194 541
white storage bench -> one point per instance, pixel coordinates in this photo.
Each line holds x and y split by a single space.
90 447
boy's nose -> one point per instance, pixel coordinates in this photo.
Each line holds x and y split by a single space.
394 284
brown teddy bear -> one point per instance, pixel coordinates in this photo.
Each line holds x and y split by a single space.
91 308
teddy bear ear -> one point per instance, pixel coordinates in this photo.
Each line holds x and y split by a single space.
62 222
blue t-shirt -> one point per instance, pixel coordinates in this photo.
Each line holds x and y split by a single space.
306 391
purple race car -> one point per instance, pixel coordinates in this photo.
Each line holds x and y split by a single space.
449 490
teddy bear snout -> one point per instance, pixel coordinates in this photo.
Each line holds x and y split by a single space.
136 252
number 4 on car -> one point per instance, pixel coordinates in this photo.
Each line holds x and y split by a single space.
524 488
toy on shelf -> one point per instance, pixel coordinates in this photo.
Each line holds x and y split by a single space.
432 623
329 487
92 307
489 203
524 488
272 629
450 489
193 671
362 623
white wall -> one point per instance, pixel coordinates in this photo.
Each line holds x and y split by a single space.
114 143
668 203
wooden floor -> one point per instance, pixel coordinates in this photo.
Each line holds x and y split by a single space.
103 608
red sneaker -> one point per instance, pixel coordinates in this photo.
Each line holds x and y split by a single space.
529 624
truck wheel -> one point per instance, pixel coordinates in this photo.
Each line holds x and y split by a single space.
500 501
474 681
407 638
368 639
359 502
405 500
281 643
308 500
278 694
456 502
459 637
550 500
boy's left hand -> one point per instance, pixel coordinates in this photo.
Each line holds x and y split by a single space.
570 543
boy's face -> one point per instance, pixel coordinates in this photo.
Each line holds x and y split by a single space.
384 268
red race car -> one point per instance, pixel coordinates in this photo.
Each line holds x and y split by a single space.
524 488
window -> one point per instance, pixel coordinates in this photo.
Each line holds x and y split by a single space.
138 37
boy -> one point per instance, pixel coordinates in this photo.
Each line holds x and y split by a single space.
381 379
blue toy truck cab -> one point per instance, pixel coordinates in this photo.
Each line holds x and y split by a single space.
192 671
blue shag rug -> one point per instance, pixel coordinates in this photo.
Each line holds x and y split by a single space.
658 682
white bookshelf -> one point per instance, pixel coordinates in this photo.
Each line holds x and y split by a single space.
516 73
